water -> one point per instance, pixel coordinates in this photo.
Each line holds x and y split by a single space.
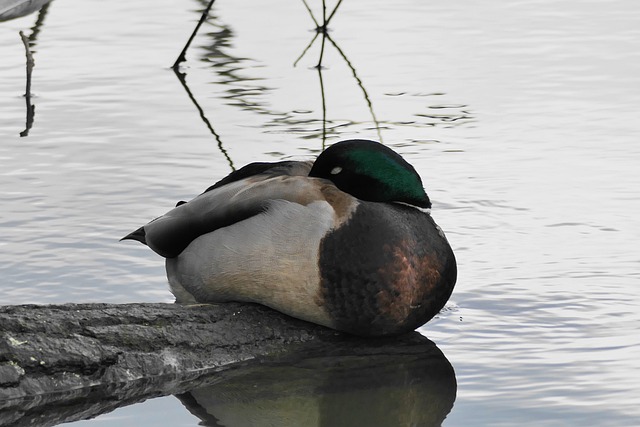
520 117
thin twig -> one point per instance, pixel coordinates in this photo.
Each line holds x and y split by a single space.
324 110
324 36
324 102
30 64
30 61
306 49
311 14
333 12
181 57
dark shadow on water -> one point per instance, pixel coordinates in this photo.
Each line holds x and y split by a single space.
405 381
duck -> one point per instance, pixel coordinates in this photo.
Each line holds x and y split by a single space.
346 241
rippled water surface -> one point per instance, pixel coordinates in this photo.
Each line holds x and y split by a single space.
520 116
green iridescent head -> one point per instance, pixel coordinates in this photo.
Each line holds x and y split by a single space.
371 171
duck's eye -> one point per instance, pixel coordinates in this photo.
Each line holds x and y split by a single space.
336 170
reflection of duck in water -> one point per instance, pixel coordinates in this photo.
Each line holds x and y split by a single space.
406 382
346 242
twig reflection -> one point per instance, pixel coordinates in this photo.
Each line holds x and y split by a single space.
304 52
223 63
182 79
364 91
28 42
323 29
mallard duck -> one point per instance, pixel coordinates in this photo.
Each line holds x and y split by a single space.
346 241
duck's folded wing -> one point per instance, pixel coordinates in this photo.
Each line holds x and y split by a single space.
171 233
287 167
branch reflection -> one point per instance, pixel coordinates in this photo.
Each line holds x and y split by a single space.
16 10
323 29
229 67
182 79
241 88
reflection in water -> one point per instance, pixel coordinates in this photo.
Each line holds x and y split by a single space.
247 93
12 10
221 38
323 29
368 383
182 78
229 66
